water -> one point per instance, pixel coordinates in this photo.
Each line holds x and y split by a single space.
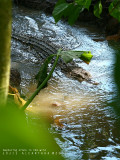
81 118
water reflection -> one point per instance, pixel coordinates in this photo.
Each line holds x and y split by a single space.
90 127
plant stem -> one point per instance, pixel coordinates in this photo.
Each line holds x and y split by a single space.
44 82
5 43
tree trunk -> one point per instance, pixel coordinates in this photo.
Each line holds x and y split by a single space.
5 43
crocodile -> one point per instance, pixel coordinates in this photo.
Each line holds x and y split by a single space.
46 48
43 46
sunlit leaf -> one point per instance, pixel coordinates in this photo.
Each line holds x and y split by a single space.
98 9
15 96
114 9
12 90
18 100
68 56
86 57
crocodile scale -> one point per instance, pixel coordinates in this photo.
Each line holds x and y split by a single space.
46 48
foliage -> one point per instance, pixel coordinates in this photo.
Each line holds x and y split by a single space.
98 9
114 9
68 56
18 133
64 9
15 96
72 10
42 74
84 3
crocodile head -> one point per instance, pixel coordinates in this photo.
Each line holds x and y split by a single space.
80 74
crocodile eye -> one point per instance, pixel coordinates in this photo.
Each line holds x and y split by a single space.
86 74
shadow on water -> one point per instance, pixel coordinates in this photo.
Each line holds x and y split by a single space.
80 115
116 46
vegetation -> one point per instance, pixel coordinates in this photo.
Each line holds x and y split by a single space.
72 10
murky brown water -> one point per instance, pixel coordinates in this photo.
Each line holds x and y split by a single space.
88 127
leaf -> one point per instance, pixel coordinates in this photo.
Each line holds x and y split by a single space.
87 3
68 56
69 10
60 2
18 100
114 9
15 96
42 74
86 57
84 3
13 90
74 13
58 11
98 9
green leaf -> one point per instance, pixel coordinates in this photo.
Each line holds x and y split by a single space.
87 3
98 9
86 57
114 9
69 10
68 56
84 3
58 11
42 74
60 2
74 13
